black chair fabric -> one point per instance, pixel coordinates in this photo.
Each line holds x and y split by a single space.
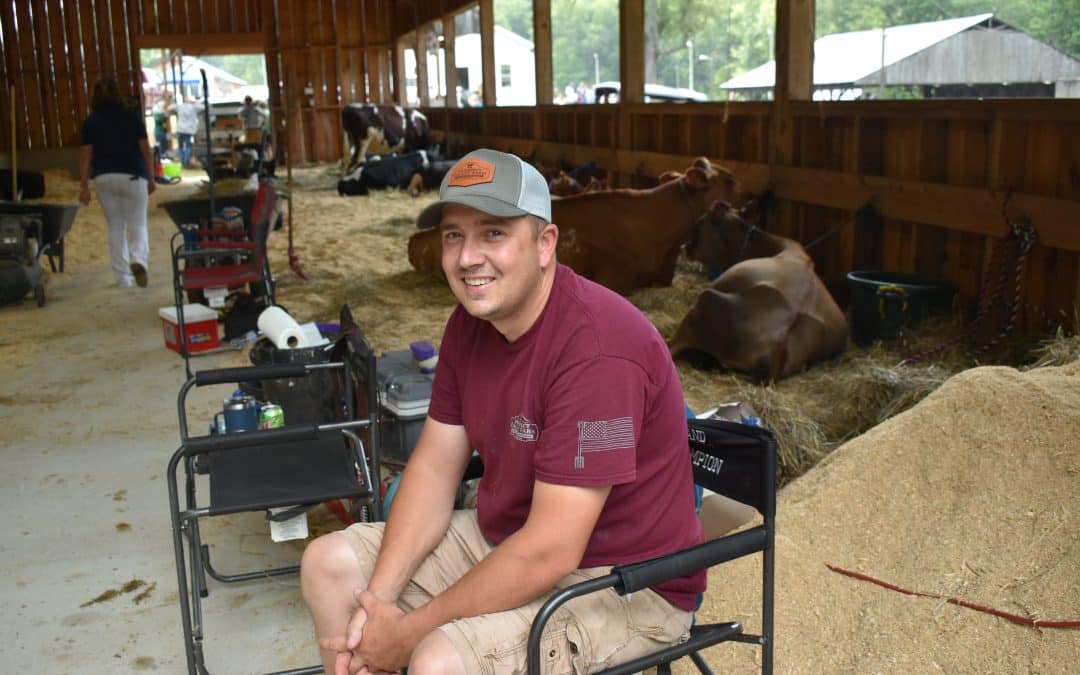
251 479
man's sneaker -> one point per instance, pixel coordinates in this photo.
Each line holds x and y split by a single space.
139 272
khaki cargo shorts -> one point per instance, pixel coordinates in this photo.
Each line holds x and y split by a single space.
585 635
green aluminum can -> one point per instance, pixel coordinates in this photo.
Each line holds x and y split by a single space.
271 416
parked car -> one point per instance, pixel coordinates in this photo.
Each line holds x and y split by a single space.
608 92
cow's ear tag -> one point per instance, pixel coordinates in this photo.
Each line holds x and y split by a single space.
471 172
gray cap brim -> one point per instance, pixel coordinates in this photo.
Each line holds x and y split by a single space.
431 216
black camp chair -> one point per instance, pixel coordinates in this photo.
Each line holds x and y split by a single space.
731 459
294 466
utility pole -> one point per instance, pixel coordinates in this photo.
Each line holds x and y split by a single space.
690 47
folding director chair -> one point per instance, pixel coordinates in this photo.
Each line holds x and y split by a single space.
253 471
735 460
225 259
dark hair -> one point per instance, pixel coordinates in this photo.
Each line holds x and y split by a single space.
106 92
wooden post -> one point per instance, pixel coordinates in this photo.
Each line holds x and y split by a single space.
14 162
420 50
487 50
631 49
450 54
794 53
542 52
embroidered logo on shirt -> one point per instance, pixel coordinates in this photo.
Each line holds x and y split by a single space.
522 429
603 435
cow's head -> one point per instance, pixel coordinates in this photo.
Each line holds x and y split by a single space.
706 183
720 237
564 185
668 176
352 183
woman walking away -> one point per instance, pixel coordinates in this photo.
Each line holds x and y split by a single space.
116 154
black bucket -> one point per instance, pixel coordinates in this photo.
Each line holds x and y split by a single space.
884 303
317 398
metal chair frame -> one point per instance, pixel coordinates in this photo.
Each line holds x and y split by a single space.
197 453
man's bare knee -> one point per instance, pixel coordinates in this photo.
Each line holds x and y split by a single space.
435 655
328 560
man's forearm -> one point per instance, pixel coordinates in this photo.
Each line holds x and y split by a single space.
420 518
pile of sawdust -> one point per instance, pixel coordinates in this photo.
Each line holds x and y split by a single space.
972 495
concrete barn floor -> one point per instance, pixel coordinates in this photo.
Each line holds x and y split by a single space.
87 425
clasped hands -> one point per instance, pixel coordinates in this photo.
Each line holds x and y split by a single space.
377 639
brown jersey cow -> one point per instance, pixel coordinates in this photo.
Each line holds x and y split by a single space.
624 239
768 315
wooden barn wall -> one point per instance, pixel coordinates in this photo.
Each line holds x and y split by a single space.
945 176
320 55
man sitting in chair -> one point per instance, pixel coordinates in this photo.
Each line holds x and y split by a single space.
570 397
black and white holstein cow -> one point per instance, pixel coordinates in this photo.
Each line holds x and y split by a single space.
412 171
383 128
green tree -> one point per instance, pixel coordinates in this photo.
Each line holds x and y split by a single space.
581 29
515 15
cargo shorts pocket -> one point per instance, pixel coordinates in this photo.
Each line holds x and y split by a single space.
557 653
623 628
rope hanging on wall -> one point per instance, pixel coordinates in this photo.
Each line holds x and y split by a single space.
1009 254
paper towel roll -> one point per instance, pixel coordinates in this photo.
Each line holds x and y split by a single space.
283 330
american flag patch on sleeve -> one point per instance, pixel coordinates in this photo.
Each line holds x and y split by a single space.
603 435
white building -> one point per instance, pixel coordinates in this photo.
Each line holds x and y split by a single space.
514 70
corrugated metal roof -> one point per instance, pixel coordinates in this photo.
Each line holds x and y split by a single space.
843 58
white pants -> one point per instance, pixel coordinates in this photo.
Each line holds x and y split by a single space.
123 199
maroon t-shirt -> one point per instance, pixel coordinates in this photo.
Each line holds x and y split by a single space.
587 396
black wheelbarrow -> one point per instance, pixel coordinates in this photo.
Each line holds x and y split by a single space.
56 221
197 211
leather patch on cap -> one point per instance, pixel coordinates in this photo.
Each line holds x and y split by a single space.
471 172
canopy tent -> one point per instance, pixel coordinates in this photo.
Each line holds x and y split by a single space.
188 79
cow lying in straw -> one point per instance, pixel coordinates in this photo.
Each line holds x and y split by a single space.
624 239
768 314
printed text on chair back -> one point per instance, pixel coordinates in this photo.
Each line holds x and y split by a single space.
732 459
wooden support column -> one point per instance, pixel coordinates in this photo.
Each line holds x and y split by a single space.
794 53
420 50
487 50
631 51
542 51
631 75
450 54
398 64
